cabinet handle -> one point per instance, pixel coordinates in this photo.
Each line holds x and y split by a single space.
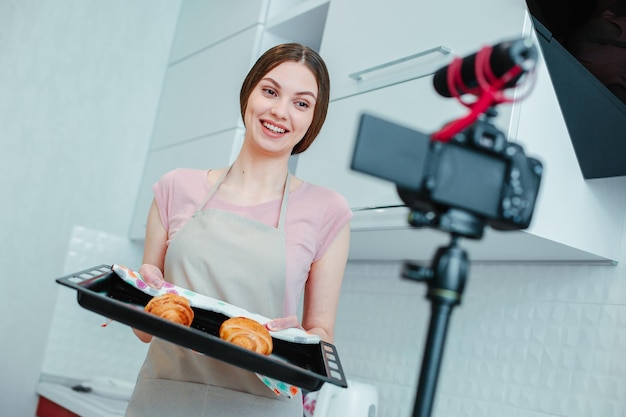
418 65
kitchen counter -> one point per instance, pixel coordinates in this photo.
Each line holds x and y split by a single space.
84 404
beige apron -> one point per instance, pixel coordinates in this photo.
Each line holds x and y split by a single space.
240 261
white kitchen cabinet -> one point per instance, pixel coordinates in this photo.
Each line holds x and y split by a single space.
574 220
361 35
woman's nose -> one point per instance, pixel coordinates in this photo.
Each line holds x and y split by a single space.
279 109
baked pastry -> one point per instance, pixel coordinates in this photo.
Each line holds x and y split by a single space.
172 307
248 334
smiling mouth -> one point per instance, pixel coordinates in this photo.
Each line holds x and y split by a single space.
273 128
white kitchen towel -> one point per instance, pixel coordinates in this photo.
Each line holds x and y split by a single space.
204 302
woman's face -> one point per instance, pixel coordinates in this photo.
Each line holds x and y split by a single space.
280 108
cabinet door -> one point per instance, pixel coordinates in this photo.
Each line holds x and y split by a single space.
203 23
207 153
360 35
201 93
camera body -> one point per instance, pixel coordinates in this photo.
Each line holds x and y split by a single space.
478 171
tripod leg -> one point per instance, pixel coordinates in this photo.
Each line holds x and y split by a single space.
431 362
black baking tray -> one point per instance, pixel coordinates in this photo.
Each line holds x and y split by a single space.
307 366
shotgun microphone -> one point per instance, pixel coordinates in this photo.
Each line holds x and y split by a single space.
504 57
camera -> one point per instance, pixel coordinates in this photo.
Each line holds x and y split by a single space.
477 172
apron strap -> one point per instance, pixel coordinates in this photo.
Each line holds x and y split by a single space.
213 189
283 204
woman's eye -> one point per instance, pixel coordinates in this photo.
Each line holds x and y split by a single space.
302 104
269 91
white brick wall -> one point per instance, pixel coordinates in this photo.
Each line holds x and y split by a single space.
529 340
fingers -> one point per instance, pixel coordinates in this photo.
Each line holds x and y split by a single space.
151 275
283 323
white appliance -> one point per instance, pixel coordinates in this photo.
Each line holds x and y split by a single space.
358 400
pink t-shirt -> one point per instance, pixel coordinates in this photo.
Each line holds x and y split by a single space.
315 215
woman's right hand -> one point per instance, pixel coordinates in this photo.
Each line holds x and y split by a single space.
153 257
151 275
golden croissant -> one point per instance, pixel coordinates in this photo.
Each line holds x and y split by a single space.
248 334
172 307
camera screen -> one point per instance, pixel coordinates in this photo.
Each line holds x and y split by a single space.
470 180
389 151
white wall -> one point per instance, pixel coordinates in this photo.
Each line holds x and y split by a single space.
529 340
79 87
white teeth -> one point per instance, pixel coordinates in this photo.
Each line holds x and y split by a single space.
273 128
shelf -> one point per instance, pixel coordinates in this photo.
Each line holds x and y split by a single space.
385 235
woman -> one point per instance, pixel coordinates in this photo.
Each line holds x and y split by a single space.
250 234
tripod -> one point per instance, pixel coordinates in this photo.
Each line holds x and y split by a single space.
446 279
463 177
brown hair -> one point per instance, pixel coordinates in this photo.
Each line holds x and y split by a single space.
297 53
